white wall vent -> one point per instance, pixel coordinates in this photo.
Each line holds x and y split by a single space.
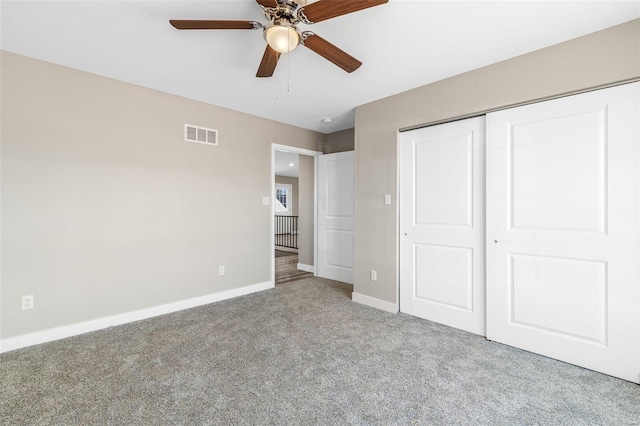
200 134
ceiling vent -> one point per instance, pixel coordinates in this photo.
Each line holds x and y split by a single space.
200 135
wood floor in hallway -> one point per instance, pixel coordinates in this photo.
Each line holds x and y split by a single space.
287 268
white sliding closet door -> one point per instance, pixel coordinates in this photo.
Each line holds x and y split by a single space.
562 229
335 216
442 224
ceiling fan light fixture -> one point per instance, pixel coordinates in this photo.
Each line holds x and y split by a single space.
281 37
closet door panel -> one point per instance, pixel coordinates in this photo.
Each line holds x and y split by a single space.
562 229
442 224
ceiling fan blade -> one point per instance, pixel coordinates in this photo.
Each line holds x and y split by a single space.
327 9
268 63
215 25
268 3
330 52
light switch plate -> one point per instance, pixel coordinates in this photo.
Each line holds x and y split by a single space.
266 201
387 199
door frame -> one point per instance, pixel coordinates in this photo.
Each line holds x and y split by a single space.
272 210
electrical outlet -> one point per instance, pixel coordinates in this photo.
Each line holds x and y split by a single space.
27 302
387 199
221 270
266 201
374 275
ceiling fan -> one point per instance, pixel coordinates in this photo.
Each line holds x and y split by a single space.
281 33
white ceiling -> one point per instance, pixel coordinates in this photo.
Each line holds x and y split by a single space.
403 44
287 164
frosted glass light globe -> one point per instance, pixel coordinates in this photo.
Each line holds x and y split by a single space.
282 38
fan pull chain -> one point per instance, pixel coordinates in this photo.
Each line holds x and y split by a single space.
288 64
288 73
276 79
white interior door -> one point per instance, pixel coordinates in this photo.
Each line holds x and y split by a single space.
562 229
442 224
335 216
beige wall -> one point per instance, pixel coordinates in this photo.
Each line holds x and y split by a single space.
341 141
601 58
306 204
294 188
106 209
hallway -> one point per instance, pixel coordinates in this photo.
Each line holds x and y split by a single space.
286 268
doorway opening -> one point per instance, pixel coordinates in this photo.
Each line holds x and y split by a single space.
293 224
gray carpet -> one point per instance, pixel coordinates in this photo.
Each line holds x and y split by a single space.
302 353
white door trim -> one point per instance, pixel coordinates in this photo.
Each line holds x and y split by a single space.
517 104
272 210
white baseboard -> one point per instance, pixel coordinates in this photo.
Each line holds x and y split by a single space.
374 303
57 333
286 249
306 268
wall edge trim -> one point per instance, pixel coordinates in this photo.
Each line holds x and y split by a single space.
374 303
76 329
306 268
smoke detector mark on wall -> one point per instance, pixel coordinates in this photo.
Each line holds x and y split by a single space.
199 134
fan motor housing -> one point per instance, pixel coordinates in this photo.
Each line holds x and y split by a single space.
287 11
